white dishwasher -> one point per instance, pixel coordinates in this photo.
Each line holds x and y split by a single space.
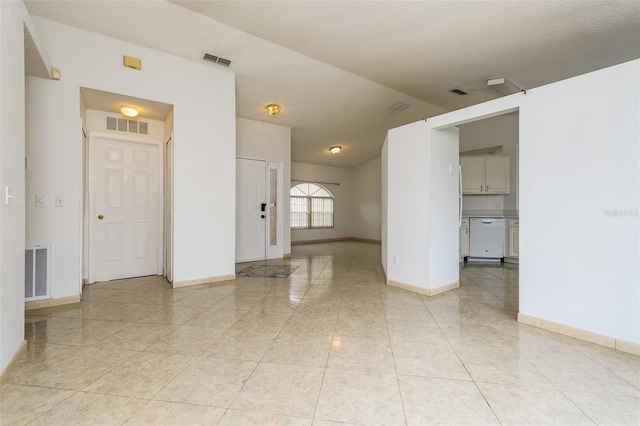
486 239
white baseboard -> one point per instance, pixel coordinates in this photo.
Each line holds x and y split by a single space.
577 333
187 283
421 290
15 360
48 303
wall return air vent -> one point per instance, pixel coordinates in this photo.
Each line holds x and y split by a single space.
216 60
126 125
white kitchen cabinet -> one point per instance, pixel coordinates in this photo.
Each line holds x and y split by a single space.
513 238
464 238
486 175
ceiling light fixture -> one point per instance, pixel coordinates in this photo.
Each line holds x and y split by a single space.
129 111
504 86
273 109
335 149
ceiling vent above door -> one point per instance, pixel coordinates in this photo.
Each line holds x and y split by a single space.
216 60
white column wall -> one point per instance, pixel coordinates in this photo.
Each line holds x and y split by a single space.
579 199
12 221
407 204
204 149
579 160
271 142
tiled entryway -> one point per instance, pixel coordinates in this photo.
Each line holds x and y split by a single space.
330 344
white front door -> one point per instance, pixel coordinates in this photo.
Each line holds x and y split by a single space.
251 210
125 221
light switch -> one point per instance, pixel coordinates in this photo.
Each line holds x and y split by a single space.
41 201
7 196
59 201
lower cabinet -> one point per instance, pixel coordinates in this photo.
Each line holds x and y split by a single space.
464 238
513 238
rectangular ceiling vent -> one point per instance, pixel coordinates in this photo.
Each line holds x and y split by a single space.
216 60
458 92
129 126
400 106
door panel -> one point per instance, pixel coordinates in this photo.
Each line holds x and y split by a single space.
250 219
125 205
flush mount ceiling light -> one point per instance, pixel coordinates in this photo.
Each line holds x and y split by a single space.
335 149
129 111
504 86
400 106
273 109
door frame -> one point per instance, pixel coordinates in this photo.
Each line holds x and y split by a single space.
91 190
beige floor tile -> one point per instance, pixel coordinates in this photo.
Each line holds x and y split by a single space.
290 390
242 418
208 381
242 344
501 366
607 409
219 318
21 404
141 376
186 340
173 413
360 397
41 328
423 359
175 315
349 353
514 405
136 337
71 368
313 355
91 409
88 334
577 372
429 401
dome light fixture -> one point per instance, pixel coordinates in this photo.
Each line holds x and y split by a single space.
128 111
335 149
273 109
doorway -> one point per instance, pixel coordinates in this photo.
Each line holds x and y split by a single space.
125 207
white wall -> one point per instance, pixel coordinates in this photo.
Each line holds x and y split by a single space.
204 131
270 142
579 158
342 199
502 131
366 200
408 177
12 222
579 162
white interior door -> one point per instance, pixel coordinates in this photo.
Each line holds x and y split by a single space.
251 210
125 209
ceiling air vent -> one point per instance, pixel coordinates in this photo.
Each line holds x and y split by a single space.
458 92
216 60
400 106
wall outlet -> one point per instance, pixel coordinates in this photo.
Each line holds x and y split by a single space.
395 260
59 201
498 205
41 201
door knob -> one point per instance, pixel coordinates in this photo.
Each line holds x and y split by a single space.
100 217
262 216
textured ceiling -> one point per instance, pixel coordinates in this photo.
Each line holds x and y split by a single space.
336 67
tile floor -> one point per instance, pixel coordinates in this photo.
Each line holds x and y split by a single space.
330 345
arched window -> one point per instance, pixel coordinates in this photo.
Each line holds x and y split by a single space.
311 207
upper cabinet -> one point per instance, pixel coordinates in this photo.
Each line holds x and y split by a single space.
485 175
